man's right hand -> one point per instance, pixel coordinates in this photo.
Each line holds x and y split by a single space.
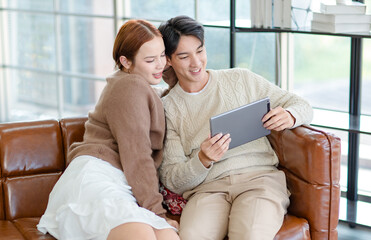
213 148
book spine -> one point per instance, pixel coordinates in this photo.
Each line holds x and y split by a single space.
341 28
341 18
322 17
286 11
268 13
277 13
253 13
343 9
261 13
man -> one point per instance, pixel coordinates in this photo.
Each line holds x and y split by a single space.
238 192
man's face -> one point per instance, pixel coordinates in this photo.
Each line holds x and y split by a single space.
189 61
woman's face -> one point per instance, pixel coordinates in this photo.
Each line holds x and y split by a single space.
150 61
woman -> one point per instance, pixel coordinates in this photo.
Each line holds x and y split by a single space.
114 168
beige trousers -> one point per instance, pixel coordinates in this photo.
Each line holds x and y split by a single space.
244 206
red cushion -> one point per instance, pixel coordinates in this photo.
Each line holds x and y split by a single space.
174 202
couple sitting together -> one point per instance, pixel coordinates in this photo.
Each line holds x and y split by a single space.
133 138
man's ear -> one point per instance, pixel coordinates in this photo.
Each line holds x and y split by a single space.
125 62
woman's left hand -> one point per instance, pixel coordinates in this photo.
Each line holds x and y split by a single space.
278 119
169 76
173 223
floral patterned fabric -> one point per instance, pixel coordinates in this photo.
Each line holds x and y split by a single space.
174 202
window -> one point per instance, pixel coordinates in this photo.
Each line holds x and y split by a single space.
321 75
55 57
257 51
365 139
55 54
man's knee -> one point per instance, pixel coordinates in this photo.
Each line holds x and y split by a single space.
189 233
252 234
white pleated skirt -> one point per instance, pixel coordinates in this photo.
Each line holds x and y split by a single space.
90 199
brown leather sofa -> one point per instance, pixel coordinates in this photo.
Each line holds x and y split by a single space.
32 158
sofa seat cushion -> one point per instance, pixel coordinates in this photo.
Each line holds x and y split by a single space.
9 231
27 226
293 228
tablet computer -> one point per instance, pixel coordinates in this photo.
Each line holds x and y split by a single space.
244 123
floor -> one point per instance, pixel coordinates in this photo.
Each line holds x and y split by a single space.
357 233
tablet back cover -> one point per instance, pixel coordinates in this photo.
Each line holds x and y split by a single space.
243 124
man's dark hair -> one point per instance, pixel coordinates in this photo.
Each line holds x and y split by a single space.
175 27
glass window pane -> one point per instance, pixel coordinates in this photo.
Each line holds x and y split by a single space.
321 70
256 51
214 12
364 174
366 78
80 95
368 8
2 44
217 47
32 95
39 5
87 45
96 7
3 95
31 40
243 15
330 118
155 10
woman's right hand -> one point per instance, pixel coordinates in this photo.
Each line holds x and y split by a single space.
213 148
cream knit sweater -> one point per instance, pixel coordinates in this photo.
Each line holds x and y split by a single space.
187 121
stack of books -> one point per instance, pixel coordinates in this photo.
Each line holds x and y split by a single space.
280 13
342 18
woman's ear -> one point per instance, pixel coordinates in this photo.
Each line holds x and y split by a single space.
125 62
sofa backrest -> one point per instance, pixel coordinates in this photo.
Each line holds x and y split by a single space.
72 131
31 161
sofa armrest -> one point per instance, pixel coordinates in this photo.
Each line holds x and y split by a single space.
310 159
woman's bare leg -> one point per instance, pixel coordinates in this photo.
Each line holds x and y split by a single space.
166 234
130 231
